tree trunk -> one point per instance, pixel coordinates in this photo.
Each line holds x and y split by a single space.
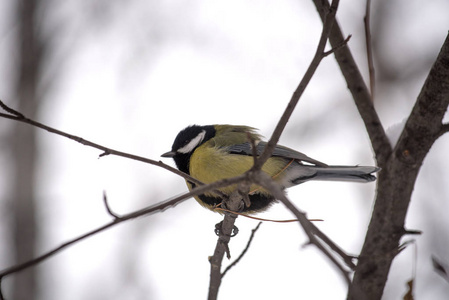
23 150
397 179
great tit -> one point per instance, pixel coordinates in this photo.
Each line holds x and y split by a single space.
214 152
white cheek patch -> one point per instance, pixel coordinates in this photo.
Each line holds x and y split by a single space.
193 143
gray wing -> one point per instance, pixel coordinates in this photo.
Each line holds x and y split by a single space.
280 151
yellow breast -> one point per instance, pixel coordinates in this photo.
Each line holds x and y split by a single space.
209 164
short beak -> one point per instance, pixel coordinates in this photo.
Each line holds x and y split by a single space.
169 154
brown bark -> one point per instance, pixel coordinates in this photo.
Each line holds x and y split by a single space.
23 150
400 166
398 177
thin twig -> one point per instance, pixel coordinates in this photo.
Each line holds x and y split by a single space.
369 48
262 219
106 151
319 55
358 89
235 262
348 259
161 206
17 116
311 231
440 268
10 110
225 234
222 247
341 45
14 115
108 208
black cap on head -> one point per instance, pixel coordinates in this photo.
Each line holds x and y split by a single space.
186 142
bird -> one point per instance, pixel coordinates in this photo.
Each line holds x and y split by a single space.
213 152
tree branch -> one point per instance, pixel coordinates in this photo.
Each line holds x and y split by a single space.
358 89
108 208
444 129
369 48
312 232
225 233
235 262
159 207
17 116
397 180
329 18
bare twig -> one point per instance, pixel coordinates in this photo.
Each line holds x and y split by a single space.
311 231
224 237
348 259
108 208
358 89
11 111
369 48
397 180
308 227
319 55
116 221
17 116
235 262
143 212
262 219
341 45
441 268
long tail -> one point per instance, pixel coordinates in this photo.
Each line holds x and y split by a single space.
341 173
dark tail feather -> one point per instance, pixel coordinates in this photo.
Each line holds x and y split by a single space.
343 173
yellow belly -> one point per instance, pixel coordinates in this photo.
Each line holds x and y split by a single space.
210 164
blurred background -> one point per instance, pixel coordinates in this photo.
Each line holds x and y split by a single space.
130 74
